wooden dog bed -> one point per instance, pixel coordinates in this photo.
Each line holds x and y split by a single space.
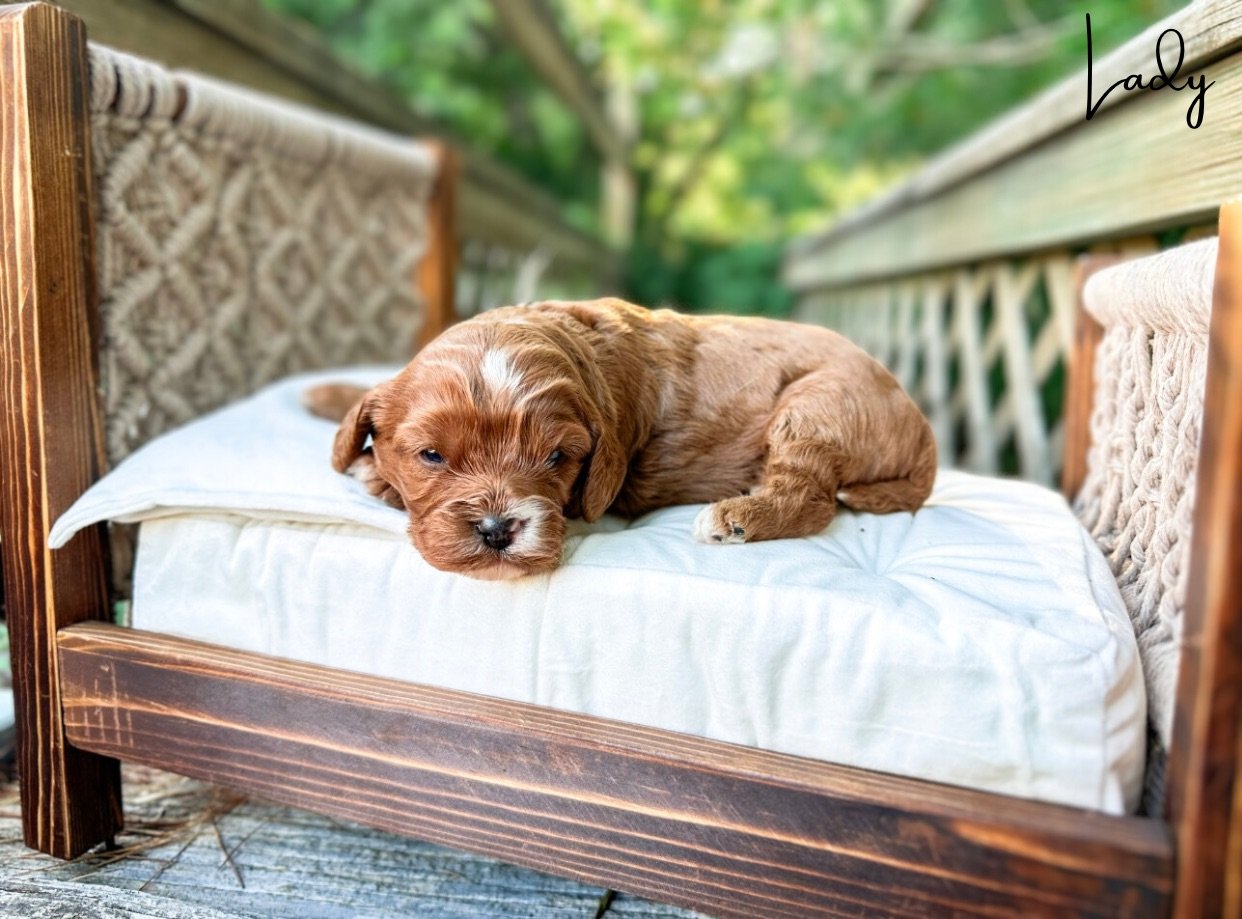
734 830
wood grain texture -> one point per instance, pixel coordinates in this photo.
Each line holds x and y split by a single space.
1098 180
1211 29
191 850
1204 761
39 898
50 446
1080 381
726 829
437 272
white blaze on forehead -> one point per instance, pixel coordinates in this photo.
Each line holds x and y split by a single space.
498 371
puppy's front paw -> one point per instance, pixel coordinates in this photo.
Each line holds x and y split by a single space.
363 469
760 516
716 525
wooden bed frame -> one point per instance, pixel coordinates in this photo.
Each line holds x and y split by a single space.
729 829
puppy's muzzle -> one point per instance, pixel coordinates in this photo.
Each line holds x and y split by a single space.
498 532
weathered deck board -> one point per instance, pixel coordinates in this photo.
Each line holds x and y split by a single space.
45 899
285 863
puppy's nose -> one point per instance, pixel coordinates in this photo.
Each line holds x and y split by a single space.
497 532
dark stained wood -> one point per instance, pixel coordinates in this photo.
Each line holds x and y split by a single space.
1204 761
728 829
49 429
437 272
1080 381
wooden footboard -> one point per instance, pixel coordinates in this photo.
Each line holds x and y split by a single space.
729 829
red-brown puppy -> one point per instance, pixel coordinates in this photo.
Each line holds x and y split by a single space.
509 423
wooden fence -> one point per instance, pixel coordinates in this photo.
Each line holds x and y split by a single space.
516 243
963 278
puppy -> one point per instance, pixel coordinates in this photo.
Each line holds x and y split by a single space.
510 423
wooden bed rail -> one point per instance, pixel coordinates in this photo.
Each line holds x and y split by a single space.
729 829
1080 381
1204 801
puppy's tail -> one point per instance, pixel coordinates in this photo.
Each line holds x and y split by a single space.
332 400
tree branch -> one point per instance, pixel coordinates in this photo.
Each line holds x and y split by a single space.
904 16
919 54
694 171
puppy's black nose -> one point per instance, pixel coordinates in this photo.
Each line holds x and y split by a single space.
497 532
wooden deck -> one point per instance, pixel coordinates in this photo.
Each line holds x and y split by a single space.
193 851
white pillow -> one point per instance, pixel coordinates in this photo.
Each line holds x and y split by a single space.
980 642
265 456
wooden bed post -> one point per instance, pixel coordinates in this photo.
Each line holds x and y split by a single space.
437 272
50 440
1080 381
1205 790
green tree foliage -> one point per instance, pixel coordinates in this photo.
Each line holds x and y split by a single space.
451 63
758 119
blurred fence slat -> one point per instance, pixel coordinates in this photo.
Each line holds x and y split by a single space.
1021 385
968 292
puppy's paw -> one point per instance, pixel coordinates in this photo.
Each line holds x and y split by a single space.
715 525
363 469
765 515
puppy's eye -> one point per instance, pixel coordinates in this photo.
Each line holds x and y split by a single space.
431 456
554 457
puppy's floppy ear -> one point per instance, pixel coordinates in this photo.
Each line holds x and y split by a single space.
353 432
602 475
604 471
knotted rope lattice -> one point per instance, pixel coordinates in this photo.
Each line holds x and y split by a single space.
240 239
1138 497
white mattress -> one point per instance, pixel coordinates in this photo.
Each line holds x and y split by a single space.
979 642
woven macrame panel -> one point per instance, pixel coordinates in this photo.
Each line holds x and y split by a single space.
241 239
1138 497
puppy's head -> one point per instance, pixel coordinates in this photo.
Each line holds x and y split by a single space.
493 435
